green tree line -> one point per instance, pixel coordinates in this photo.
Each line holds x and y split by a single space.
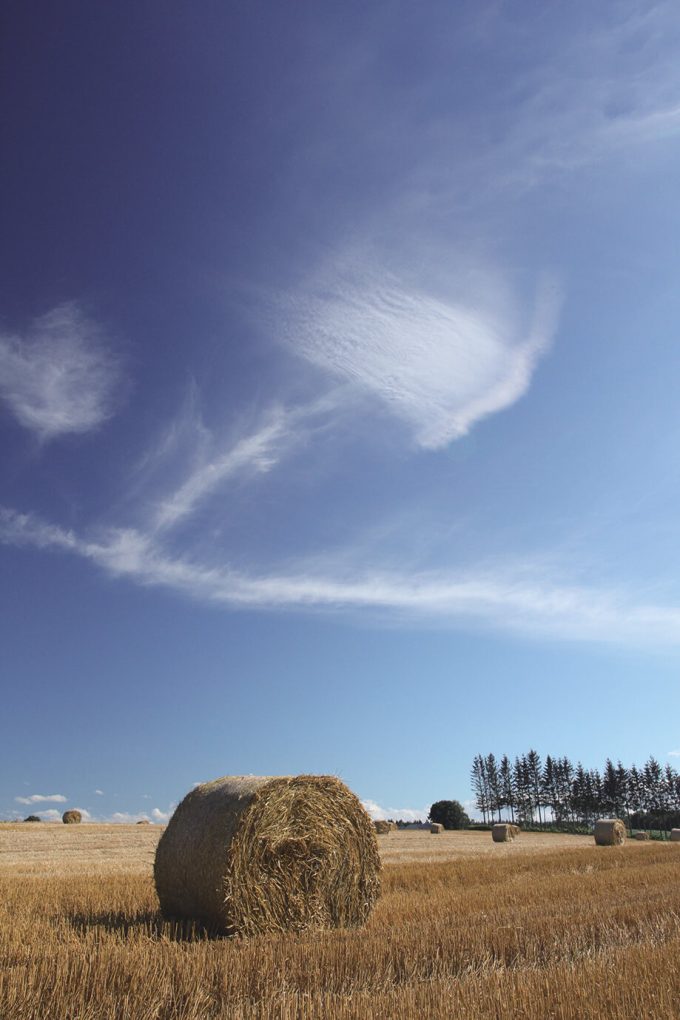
531 791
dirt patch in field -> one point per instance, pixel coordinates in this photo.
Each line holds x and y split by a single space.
55 849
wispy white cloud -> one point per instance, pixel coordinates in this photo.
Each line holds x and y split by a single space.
440 365
674 754
42 798
523 601
59 377
379 813
100 793
256 453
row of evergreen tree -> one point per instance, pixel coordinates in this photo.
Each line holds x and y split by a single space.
557 792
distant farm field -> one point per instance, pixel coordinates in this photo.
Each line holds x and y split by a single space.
548 926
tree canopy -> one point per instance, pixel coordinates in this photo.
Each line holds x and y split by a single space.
450 813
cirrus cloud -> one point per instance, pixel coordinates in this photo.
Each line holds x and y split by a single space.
60 376
440 365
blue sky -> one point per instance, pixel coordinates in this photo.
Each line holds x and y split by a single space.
338 394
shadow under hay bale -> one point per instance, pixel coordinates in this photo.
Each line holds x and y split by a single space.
249 854
502 832
71 817
436 828
609 832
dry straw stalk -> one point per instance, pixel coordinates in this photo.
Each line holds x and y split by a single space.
252 854
609 832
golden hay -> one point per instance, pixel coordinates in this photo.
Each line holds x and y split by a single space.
641 835
436 827
609 832
502 832
675 835
515 830
71 817
251 854
382 827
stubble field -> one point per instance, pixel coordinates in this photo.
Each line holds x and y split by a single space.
545 927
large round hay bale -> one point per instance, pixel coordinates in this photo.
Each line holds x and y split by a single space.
382 827
675 835
251 854
609 832
641 835
71 817
436 828
502 832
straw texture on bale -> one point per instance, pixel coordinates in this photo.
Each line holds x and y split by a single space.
382 827
251 854
515 830
609 832
71 817
675 835
393 827
436 827
502 832
641 835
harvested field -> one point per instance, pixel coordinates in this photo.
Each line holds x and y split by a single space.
545 927
56 849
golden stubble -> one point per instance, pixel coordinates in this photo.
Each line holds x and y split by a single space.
534 932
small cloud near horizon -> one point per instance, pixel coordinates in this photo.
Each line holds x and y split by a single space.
379 813
41 798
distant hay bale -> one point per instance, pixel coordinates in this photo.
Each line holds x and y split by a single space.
251 854
609 832
675 835
381 827
515 830
71 817
641 835
502 832
36 818
143 821
436 827
393 827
